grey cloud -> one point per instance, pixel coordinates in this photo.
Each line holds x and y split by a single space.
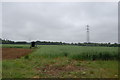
60 21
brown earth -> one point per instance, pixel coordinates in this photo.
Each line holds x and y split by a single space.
13 53
55 71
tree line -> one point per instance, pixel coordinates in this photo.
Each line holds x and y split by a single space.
5 41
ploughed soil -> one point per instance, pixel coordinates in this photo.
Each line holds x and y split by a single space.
13 53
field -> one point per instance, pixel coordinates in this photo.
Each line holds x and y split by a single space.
13 53
63 61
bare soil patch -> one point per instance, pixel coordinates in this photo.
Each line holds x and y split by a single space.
57 70
13 53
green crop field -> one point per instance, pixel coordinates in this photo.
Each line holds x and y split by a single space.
63 61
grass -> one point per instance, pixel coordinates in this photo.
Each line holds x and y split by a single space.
63 61
78 52
15 46
22 68
17 69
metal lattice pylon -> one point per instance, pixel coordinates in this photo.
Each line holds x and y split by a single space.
88 36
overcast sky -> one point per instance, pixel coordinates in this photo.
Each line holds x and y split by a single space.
64 22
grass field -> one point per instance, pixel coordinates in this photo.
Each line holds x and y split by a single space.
63 61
